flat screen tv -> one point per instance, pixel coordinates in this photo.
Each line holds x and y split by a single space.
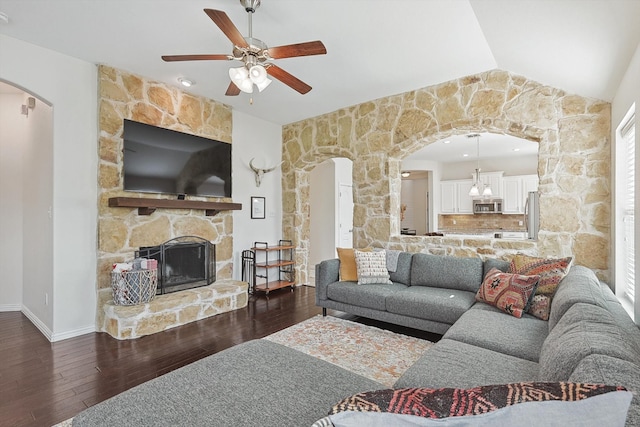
158 160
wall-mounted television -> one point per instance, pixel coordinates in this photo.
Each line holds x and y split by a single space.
158 160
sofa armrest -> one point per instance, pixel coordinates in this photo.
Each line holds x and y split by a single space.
327 271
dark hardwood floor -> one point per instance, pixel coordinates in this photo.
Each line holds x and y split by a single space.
43 383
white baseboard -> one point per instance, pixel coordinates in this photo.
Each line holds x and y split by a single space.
59 336
10 307
74 333
37 323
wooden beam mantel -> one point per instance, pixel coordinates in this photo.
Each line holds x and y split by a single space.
147 206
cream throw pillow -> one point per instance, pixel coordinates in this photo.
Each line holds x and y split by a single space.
372 267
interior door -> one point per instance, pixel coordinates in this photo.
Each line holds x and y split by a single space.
345 216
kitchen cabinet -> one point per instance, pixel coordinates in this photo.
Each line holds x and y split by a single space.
494 181
454 197
515 190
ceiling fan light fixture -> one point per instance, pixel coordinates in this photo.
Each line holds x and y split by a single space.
263 84
240 77
258 74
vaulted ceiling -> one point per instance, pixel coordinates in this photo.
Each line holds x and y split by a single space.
375 48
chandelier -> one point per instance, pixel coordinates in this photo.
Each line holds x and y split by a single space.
477 185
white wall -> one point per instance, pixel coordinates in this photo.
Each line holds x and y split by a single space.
433 186
37 227
414 196
70 87
324 199
627 94
323 208
262 140
12 135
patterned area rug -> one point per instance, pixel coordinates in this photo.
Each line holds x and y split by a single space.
374 353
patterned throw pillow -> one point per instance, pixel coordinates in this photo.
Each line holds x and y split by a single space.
574 404
551 272
348 269
372 267
511 293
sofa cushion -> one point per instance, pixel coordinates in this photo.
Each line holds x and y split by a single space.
447 272
372 267
403 269
223 390
442 305
580 285
369 296
585 329
609 370
490 263
450 363
488 327
508 292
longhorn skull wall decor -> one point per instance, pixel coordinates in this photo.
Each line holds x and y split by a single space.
260 172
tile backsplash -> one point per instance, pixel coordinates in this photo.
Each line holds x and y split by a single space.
489 222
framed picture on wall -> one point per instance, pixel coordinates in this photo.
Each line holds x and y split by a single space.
258 208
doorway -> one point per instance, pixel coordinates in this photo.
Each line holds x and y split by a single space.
330 211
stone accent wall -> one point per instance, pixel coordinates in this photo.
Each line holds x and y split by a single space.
121 230
170 310
573 134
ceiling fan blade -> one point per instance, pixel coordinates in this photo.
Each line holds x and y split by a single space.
232 90
299 49
288 79
222 20
171 58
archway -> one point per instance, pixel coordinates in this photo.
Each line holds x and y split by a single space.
572 131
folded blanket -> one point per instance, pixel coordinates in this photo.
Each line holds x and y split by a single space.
392 260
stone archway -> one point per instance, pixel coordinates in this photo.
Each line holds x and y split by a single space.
573 166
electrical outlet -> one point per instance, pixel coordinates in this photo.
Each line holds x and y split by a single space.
454 222
520 223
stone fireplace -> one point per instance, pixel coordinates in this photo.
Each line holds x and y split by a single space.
122 230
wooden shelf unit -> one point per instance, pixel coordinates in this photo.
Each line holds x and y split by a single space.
147 206
268 258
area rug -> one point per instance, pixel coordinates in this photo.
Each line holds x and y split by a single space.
374 353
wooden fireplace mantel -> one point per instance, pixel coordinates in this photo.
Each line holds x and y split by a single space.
147 206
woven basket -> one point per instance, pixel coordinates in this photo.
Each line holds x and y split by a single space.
134 287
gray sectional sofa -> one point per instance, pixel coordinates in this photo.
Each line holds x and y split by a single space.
589 337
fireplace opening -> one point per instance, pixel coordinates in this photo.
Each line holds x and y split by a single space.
183 263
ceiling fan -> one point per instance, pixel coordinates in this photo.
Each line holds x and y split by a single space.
254 55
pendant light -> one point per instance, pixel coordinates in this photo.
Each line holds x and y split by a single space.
475 188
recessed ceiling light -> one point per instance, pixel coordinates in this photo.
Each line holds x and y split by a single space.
516 149
447 142
186 82
465 155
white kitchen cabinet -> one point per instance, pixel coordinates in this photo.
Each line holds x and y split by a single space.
448 197
515 190
494 181
454 197
465 202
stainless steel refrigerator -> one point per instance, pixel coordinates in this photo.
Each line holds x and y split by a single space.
532 215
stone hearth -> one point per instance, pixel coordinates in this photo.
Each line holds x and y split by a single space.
170 310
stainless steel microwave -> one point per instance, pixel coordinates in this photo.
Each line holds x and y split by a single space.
487 206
